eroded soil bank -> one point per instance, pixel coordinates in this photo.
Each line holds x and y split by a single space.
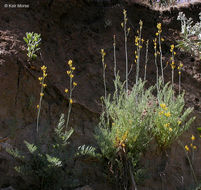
77 30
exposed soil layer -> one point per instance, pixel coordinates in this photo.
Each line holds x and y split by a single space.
77 30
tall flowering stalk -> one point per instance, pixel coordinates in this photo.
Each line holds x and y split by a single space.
138 43
146 59
155 60
43 85
179 71
126 33
115 59
72 86
158 34
104 67
172 64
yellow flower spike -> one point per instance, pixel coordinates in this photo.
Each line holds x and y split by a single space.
186 147
74 84
71 101
192 137
41 94
37 106
66 90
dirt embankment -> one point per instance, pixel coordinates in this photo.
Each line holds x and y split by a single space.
78 30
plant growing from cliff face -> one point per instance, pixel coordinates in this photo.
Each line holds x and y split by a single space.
33 41
170 118
43 86
43 167
190 34
72 86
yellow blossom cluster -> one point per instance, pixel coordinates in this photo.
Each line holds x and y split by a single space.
187 148
71 75
120 142
179 68
103 57
41 79
70 72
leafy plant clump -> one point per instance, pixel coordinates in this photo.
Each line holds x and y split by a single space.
43 167
33 41
191 35
170 118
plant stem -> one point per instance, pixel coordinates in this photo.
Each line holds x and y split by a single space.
161 56
146 59
69 104
40 104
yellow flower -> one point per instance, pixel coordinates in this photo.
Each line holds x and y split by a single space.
44 75
40 78
74 84
71 75
178 122
44 85
37 106
156 33
43 68
161 112
71 101
172 46
167 125
192 137
70 62
159 26
194 147
170 129
162 39
168 114
66 90
73 68
68 72
186 147
41 94
163 106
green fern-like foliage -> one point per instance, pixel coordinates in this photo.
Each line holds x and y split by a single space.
170 118
43 168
